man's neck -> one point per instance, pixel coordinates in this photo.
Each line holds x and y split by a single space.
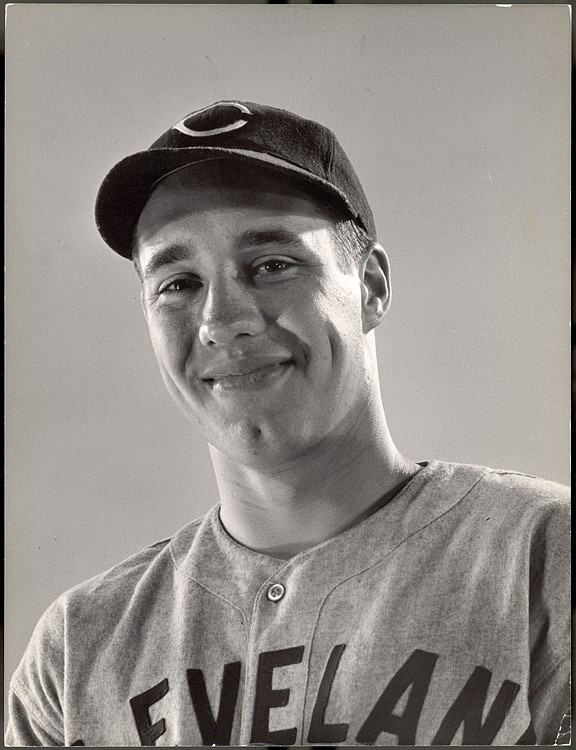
284 509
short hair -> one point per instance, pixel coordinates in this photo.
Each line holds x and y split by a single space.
352 241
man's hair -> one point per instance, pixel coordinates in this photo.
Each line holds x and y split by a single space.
352 241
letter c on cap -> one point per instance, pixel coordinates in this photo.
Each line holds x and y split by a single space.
239 123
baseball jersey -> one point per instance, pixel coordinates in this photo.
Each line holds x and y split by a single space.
443 618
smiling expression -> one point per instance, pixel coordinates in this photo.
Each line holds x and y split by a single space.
258 327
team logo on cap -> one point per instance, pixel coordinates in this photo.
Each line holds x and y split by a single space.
214 119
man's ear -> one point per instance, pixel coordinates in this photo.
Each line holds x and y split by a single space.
375 277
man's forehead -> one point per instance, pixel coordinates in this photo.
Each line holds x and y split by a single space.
205 192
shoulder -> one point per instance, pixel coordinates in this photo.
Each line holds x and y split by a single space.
86 620
531 488
512 489
511 507
132 583
501 502
539 502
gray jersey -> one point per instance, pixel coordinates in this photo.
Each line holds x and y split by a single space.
443 618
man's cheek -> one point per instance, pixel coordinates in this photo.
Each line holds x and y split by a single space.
172 339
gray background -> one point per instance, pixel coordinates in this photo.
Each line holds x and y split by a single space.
457 119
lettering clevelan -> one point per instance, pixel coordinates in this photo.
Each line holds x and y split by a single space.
396 712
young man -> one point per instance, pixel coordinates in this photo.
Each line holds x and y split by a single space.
340 592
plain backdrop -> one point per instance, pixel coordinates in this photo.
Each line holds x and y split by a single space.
457 120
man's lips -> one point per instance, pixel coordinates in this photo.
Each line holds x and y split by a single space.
243 369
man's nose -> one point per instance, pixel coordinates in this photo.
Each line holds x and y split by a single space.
229 311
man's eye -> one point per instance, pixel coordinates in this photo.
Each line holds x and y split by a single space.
183 284
272 266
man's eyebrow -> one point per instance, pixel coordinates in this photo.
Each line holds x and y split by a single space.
253 238
165 257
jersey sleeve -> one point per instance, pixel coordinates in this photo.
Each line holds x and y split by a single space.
23 729
35 713
550 626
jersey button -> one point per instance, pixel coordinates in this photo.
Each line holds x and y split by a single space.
276 592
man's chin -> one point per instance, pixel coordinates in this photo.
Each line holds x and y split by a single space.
263 443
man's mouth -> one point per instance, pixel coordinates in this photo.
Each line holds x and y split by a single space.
245 374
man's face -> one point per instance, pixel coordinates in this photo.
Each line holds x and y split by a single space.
257 326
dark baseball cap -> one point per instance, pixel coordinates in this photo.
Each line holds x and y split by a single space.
301 149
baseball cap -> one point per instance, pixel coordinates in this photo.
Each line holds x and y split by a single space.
299 148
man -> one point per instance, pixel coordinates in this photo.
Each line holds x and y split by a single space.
340 593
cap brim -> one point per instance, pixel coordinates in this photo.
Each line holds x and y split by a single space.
127 187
